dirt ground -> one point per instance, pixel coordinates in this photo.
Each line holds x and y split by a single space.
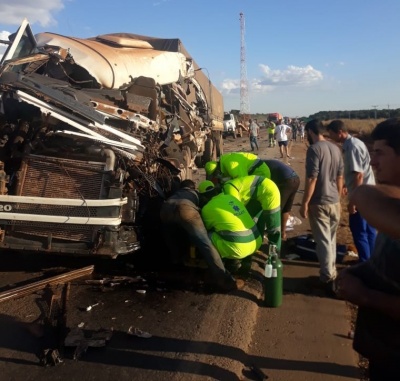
183 319
298 153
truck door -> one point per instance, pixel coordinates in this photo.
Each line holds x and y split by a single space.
23 43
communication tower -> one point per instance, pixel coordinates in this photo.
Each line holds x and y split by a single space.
244 90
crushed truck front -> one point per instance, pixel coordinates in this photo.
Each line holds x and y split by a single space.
93 132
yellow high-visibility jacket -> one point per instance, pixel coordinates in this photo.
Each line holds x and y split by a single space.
255 187
239 164
232 230
262 199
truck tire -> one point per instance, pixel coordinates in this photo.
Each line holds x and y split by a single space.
218 142
209 151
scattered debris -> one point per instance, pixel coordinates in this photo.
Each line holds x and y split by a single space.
292 256
115 280
138 332
89 308
81 325
50 357
41 284
292 221
141 291
76 338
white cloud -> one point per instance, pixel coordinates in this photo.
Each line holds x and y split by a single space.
272 79
3 36
230 86
291 76
36 11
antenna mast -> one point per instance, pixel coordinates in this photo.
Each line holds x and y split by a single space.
244 91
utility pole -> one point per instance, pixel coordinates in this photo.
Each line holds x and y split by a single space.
374 110
244 90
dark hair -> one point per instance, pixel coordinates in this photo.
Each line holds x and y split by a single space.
388 130
336 126
188 184
315 126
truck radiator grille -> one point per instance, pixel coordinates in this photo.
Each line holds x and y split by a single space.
59 178
79 233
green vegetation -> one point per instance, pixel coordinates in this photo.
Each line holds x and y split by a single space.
347 114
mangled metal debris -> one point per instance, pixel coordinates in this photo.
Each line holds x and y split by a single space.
18 292
95 131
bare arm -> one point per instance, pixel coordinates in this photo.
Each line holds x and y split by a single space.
358 180
339 184
355 291
308 192
380 206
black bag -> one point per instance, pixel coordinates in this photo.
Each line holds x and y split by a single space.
306 249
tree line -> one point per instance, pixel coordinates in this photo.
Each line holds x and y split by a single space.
345 114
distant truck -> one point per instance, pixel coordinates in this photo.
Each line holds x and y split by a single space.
235 118
274 117
94 134
231 126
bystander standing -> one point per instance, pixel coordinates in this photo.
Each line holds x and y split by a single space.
357 171
321 200
253 134
282 131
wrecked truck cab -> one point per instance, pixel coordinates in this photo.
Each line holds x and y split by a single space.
87 142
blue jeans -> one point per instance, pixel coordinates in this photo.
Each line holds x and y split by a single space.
363 236
253 142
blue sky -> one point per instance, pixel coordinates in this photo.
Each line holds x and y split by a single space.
302 56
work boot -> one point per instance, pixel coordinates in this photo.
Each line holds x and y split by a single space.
233 265
226 284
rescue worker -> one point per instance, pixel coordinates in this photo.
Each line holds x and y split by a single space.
288 182
231 228
236 164
261 198
182 224
271 134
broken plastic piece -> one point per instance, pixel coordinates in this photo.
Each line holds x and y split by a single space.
292 256
88 308
138 332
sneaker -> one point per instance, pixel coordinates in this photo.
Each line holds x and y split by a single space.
330 290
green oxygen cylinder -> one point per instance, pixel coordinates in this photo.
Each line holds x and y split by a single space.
273 281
